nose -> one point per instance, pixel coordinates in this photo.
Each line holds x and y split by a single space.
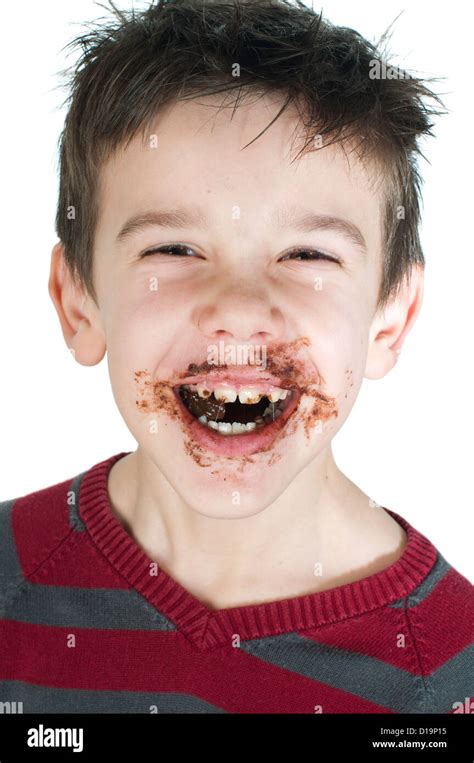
241 314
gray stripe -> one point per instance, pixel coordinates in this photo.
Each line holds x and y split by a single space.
44 699
437 572
75 519
452 682
10 571
364 676
63 606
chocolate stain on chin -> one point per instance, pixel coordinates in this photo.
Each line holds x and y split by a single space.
158 397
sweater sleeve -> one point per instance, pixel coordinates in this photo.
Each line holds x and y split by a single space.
442 624
10 571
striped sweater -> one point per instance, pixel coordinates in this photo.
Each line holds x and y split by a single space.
89 623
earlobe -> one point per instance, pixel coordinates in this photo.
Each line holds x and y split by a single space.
391 326
77 314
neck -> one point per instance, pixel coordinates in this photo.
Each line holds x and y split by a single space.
322 531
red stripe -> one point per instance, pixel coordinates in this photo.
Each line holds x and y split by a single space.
382 635
40 521
124 661
443 624
434 630
79 564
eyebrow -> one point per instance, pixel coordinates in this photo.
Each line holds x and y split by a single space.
303 221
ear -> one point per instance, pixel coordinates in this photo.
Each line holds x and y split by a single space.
77 312
390 326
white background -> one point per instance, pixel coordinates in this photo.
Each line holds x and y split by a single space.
407 442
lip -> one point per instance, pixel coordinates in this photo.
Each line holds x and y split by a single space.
235 445
236 379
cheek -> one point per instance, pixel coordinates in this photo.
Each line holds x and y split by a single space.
142 310
146 325
337 325
137 334
337 315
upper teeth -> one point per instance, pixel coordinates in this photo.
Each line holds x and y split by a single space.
225 394
277 394
247 395
250 395
203 391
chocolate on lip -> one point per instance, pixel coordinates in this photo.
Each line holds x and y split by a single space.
283 369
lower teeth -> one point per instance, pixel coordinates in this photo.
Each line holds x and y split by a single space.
236 428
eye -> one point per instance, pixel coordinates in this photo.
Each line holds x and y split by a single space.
309 254
180 250
176 250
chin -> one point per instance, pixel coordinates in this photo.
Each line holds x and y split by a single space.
221 499
230 488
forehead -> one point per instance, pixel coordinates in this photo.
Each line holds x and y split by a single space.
195 153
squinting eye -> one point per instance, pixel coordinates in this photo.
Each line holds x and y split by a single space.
180 250
313 254
168 248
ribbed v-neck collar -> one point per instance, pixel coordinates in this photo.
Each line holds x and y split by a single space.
207 628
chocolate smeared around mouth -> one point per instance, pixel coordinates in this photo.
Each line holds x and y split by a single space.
162 396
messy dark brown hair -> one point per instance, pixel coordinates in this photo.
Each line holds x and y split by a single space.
137 62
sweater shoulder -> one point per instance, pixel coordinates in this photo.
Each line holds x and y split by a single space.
32 527
440 616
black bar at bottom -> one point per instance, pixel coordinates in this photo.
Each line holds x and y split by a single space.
98 737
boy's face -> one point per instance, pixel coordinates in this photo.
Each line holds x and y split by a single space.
311 323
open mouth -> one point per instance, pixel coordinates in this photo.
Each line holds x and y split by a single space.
232 412
234 417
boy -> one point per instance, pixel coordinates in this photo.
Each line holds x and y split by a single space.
244 275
